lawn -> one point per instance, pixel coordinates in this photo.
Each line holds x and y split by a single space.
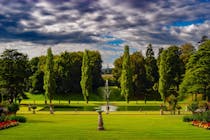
119 126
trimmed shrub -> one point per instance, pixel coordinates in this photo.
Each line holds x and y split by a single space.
206 116
197 117
17 118
187 119
2 117
13 108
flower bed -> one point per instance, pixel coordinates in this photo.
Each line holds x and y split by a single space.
199 119
205 125
7 124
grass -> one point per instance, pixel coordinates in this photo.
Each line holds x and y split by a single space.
74 126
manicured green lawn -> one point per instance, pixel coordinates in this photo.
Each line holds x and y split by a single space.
65 126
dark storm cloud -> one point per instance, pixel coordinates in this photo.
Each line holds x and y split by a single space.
103 16
136 22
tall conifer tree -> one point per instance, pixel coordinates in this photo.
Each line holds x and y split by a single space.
49 78
126 76
86 79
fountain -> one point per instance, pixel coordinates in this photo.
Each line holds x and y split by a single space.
107 94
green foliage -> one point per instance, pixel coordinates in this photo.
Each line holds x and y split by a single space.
96 66
197 117
13 108
3 117
193 106
197 77
152 75
21 119
63 78
126 76
206 116
170 70
187 50
172 100
34 106
139 81
37 82
49 77
86 80
117 70
14 72
187 118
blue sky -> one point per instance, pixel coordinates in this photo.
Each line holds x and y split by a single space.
31 26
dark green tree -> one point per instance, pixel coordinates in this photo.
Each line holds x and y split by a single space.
49 78
197 76
14 72
187 50
151 72
96 66
116 72
63 79
36 78
75 72
170 71
139 80
126 76
37 82
86 80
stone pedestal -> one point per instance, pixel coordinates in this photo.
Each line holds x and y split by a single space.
100 120
161 111
51 109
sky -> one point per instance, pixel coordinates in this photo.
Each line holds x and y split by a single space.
31 26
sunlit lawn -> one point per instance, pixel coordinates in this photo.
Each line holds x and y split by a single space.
119 126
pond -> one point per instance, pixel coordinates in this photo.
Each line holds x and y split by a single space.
103 107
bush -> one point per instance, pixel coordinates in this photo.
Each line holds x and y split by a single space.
192 107
18 118
197 117
2 117
206 116
13 108
33 106
187 119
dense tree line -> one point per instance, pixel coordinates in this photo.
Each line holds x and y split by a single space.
176 72
18 74
155 78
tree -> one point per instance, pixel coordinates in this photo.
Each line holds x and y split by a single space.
86 80
197 77
49 78
126 76
170 71
187 50
36 78
151 71
63 75
117 70
37 82
139 81
96 66
159 55
75 72
14 72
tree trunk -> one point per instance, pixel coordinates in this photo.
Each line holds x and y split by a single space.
51 108
196 96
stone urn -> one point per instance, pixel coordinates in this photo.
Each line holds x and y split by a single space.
100 120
